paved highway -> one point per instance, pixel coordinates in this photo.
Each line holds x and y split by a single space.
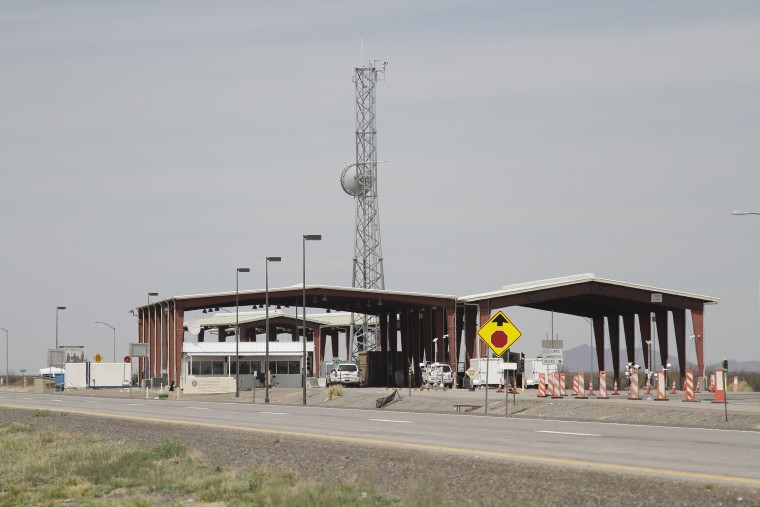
698 454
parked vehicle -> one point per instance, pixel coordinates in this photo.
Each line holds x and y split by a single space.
347 374
534 367
491 366
432 373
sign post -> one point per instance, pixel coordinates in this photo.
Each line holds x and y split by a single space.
499 334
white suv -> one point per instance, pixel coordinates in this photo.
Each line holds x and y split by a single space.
431 374
346 374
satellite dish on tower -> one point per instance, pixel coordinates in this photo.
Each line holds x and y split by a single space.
350 180
194 327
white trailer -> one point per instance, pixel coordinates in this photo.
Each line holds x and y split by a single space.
493 366
535 366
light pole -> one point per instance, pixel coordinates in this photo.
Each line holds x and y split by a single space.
57 309
306 237
237 329
266 326
151 294
114 336
6 356
744 213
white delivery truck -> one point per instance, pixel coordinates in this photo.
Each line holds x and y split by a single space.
494 371
535 366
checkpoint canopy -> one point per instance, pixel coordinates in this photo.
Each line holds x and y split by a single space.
607 303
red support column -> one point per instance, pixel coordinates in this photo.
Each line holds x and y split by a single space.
679 328
613 324
599 340
470 333
141 339
662 335
629 332
406 346
393 342
319 350
645 330
485 316
697 320
427 334
383 318
453 331
179 325
170 342
414 337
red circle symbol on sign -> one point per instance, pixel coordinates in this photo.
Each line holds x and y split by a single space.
499 339
127 359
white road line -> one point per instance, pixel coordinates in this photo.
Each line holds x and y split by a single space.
274 413
568 433
391 421
197 408
57 401
136 404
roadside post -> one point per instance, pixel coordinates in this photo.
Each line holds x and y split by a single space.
499 334
725 388
410 380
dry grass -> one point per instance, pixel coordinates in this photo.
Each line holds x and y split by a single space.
43 467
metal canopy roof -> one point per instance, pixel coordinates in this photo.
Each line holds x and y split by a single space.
588 295
345 299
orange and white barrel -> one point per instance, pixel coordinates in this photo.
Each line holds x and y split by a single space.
736 384
602 385
556 389
712 382
581 387
562 385
541 385
633 394
688 386
662 394
720 393
575 385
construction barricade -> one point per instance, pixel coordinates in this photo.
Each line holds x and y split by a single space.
602 386
688 387
662 390
633 393
720 392
575 385
581 387
541 385
562 385
736 384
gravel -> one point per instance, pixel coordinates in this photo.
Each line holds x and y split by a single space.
438 478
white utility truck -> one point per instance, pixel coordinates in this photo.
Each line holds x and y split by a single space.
535 366
494 371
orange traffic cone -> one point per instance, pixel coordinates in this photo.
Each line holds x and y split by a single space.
673 389
615 389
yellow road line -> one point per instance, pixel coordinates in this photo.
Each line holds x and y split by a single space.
658 472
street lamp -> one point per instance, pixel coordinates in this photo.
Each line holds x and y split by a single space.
237 329
114 336
266 327
57 308
306 237
744 213
6 355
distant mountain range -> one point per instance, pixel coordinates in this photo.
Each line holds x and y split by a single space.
579 359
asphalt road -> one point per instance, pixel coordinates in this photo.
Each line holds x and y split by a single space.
715 456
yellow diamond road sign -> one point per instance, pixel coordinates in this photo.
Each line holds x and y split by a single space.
499 333
98 358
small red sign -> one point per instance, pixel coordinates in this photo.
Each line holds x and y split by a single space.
127 359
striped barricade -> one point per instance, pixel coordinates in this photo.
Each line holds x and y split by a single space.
662 388
541 385
581 387
688 387
602 386
720 392
633 393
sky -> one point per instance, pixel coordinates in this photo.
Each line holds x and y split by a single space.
158 146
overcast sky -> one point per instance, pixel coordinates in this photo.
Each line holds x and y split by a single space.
157 146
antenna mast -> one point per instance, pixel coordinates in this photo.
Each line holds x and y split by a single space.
360 181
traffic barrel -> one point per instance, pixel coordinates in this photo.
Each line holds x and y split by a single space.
720 393
602 386
688 387
662 394
581 387
633 393
541 385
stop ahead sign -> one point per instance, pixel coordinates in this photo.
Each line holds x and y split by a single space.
499 333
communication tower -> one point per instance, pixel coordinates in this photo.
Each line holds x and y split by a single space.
359 180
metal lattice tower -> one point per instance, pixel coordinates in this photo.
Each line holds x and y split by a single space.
360 181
